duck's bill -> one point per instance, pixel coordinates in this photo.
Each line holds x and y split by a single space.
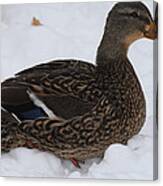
151 31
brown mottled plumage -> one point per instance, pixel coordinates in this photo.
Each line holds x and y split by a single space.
95 106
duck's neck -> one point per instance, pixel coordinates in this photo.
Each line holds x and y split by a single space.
111 49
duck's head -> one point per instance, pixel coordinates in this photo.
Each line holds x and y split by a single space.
129 21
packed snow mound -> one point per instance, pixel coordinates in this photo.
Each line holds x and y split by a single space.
73 32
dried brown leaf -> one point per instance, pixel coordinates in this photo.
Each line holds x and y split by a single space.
36 22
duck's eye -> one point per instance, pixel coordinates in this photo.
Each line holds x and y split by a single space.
134 14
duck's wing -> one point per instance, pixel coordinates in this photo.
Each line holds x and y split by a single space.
58 84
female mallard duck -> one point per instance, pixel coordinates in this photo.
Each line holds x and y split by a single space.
94 106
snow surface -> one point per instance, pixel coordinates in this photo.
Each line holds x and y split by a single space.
74 31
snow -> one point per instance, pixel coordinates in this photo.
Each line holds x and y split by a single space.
74 31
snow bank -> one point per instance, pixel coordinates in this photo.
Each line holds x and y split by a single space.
73 31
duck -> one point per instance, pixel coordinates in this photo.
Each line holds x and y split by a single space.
75 109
